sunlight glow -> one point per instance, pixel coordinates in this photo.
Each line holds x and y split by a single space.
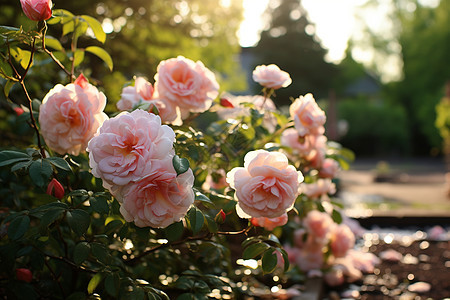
252 24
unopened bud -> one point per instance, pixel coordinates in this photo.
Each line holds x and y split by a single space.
81 81
23 274
37 10
220 217
18 110
226 103
55 189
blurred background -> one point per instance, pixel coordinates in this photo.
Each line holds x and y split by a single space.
380 69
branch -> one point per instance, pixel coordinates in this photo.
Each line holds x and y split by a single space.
135 259
51 54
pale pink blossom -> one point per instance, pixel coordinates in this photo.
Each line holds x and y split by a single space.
342 239
334 277
70 116
266 186
329 168
160 198
217 180
128 145
308 117
348 268
391 255
315 190
301 146
318 224
37 10
270 223
188 84
310 259
363 261
271 76
134 95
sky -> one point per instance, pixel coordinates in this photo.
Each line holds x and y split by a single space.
335 22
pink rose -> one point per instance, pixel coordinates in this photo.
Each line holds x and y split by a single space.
160 198
322 187
133 95
266 186
128 145
23 274
70 116
308 117
310 259
318 224
363 261
334 277
270 223
37 10
342 239
329 168
271 77
188 84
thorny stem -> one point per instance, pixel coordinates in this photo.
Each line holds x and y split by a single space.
55 278
51 53
30 106
243 231
188 239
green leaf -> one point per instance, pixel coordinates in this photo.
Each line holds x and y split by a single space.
174 231
196 220
8 157
102 54
68 27
269 261
254 250
112 284
336 216
59 163
5 71
53 43
181 165
8 29
21 56
99 204
8 86
100 252
63 14
201 197
78 57
94 282
285 258
40 172
96 27
18 227
51 216
21 165
81 252
78 220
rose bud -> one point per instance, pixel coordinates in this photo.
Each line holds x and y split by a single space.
220 217
226 103
23 274
18 110
37 10
55 189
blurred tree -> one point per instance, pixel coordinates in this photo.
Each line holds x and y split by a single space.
420 37
290 43
142 33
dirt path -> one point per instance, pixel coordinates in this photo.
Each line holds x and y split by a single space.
405 188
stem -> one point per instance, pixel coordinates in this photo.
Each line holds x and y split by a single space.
188 239
56 278
30 106
51 54
244 231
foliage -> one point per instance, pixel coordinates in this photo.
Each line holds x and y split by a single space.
78 245
373 128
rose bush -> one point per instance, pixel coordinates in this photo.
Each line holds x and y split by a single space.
162 206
